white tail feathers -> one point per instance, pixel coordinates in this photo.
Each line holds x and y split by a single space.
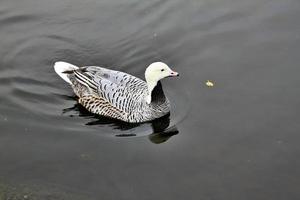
61 67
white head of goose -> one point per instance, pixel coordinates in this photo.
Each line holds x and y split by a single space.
117 94
154 73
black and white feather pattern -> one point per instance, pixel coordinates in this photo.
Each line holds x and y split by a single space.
116 94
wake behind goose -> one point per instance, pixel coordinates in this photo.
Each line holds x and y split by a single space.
117 94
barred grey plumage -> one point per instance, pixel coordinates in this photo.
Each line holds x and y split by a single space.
117 94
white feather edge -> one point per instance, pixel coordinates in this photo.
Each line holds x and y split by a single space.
60 67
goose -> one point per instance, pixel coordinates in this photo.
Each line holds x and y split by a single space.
119 95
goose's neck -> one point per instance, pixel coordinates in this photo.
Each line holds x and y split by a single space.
155 92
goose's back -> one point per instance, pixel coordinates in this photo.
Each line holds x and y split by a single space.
123 93
122 90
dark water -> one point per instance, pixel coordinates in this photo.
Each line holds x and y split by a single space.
237 140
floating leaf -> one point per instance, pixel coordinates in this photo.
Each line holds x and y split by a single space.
209 83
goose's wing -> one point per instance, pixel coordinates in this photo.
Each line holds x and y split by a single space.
120 89
117 77
101 106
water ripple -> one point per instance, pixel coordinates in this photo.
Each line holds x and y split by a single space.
12 20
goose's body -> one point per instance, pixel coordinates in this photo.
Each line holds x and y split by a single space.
117 94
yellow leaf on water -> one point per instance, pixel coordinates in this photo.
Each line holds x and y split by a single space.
209 83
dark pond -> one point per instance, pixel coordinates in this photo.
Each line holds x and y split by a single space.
237 140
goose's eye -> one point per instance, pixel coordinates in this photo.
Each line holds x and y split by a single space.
162 70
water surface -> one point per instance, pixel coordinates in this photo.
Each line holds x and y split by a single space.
236 140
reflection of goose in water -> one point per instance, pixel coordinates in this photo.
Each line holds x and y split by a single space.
160 133
117 94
